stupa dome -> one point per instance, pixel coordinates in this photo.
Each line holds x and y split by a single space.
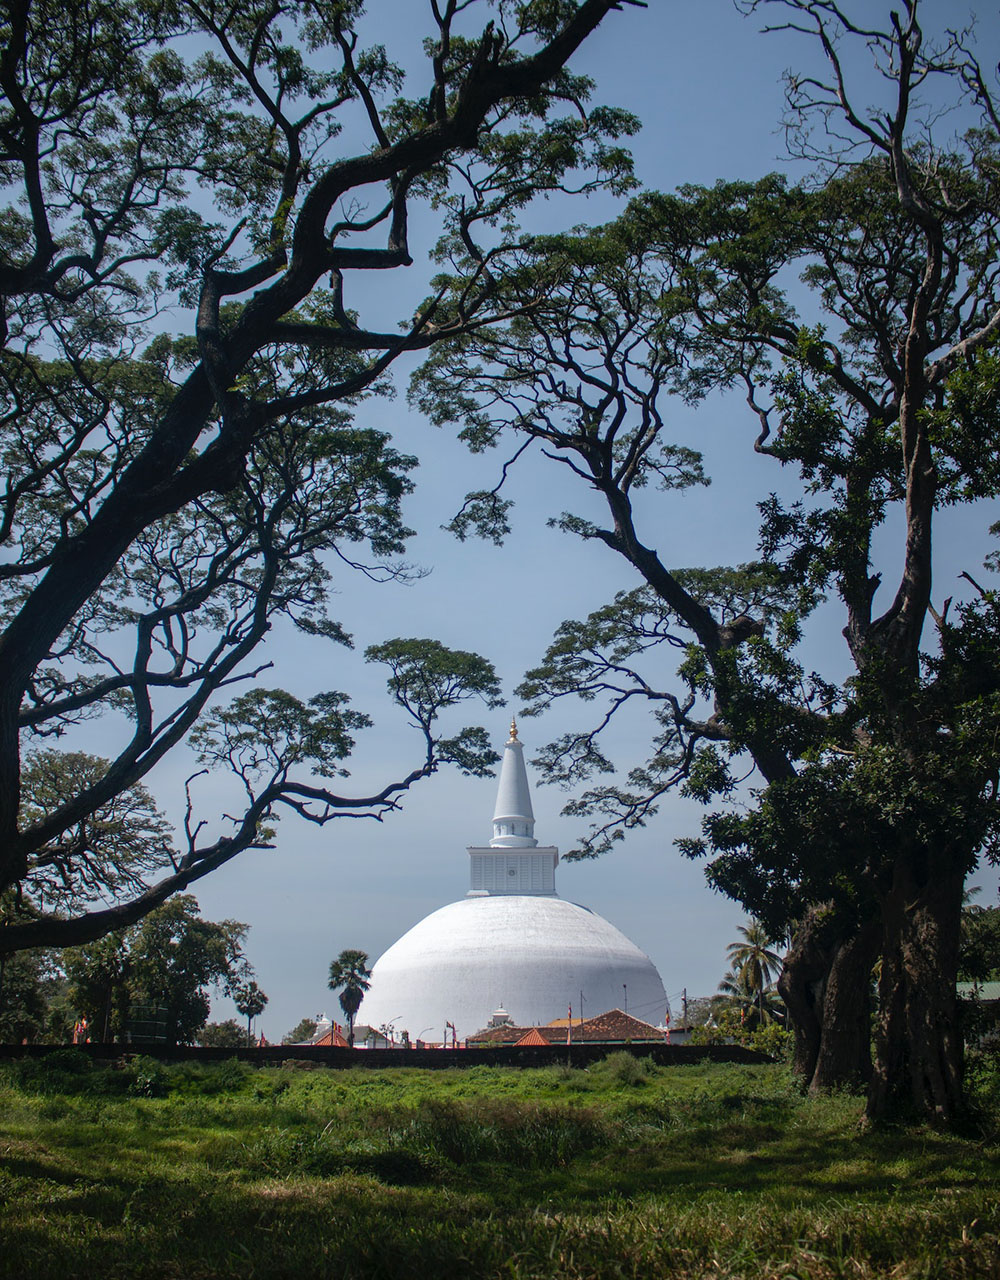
511 943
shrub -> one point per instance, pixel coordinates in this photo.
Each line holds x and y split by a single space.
624 1068
774 1040
232 1075
270 1087
982 1079
72 1061
147 1077
68 1071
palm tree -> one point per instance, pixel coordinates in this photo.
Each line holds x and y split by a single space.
735 993
250 1001
349 975
753 967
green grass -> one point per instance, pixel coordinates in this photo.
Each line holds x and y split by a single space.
623 1170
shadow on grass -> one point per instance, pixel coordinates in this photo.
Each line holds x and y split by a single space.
640 1181
788 1166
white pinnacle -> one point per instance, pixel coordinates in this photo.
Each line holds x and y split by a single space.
513 818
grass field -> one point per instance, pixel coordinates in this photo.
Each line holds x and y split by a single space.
622 1170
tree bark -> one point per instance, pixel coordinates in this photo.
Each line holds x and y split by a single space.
825 983
845 1057
919 1058
800 985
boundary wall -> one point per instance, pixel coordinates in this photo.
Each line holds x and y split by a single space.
308 1057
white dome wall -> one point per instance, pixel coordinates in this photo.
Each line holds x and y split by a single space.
532 954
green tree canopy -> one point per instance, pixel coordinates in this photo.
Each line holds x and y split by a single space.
222 1035
303 1030
32 999
754 965
979 957
250 1001
170 497
876 383
105 853
162 968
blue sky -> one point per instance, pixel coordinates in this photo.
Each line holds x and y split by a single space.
708 89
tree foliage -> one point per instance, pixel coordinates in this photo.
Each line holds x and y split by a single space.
249 1000
876 383
171 496
754 965
106 853
161 968
303 1031
34 1006
979 958
222 1035
349 974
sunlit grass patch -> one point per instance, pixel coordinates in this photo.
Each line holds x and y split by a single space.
483 1172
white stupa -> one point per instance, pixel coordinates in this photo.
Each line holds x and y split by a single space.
510 943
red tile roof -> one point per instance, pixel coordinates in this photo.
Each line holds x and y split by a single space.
616 1025
613 1027
531 1037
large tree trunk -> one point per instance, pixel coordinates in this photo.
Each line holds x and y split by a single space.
918 1044
846 1031
825 983
800 985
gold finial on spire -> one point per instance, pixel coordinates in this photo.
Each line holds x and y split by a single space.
513 729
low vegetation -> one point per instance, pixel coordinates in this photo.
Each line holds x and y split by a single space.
623 1170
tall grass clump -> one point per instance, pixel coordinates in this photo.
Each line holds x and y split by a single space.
524 1135
410 1146
623 1068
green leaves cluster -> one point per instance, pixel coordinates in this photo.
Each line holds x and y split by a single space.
166 964
93 854
172 496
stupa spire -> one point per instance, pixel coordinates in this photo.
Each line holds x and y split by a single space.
513 863
513 818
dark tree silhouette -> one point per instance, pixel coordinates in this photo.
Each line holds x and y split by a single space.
251 1002
876 794
349 975
169 497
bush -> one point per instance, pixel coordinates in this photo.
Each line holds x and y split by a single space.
68 1071
624 1068
270 1087
232 1075
774 1040
982 1079
147 1077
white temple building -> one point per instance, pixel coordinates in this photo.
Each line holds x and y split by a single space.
510 942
